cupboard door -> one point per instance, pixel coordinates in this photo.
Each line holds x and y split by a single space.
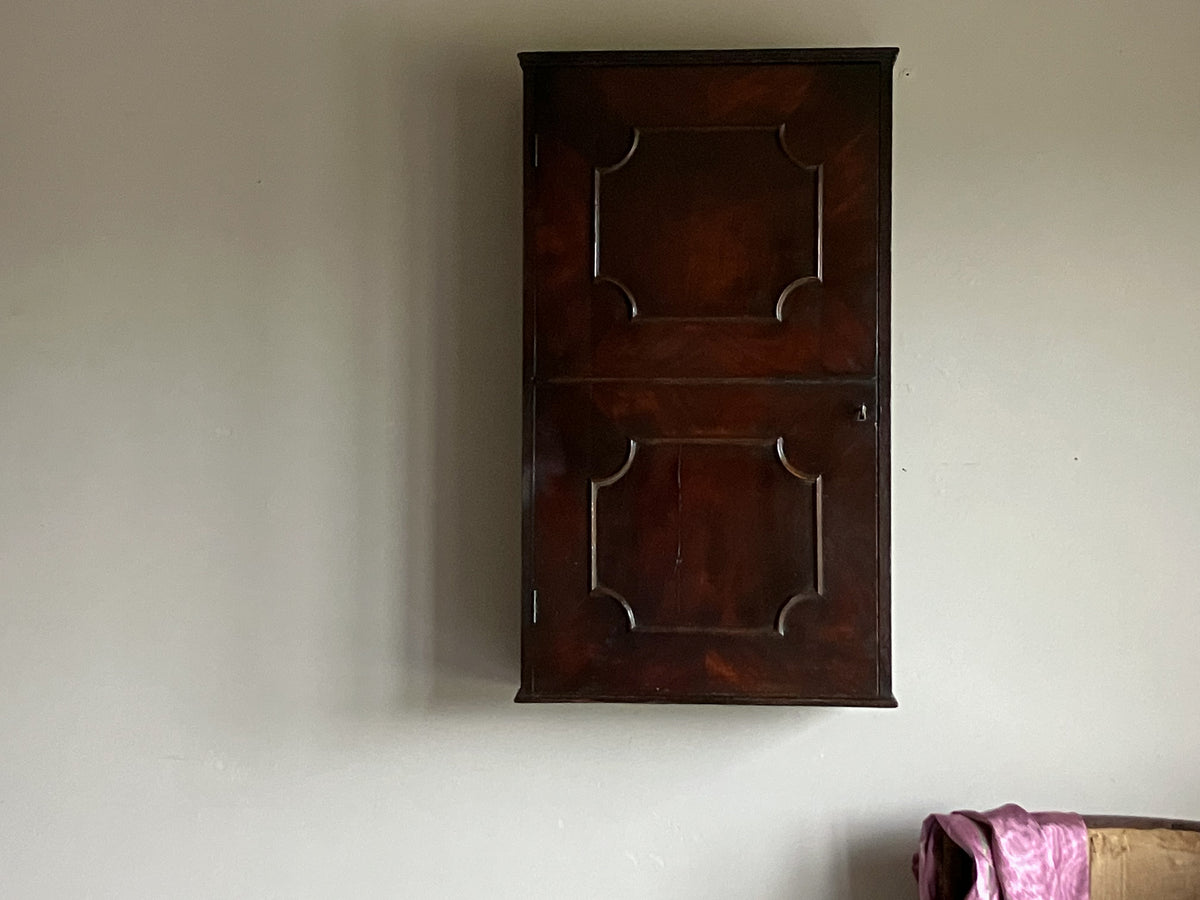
694 221
706 542
706 505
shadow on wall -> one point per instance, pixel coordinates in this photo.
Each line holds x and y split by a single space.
435 137
880 866
474 603
870 862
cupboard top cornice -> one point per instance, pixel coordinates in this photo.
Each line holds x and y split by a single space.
773 56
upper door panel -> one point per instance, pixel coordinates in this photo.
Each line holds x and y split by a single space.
711 222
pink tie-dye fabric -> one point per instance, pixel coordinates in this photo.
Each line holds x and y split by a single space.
1017 855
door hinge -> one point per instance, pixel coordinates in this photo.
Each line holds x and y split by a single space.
535 151
534 606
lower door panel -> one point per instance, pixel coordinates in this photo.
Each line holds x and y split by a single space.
704 542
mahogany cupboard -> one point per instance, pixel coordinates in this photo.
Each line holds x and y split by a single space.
706 496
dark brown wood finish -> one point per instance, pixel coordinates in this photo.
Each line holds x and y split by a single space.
1142 822
706 376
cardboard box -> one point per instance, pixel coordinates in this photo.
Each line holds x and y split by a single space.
1144 864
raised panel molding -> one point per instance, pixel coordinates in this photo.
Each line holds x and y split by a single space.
700 579
700 223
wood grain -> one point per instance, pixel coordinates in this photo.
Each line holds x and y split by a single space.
706 359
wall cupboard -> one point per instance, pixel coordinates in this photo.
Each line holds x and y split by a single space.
706 497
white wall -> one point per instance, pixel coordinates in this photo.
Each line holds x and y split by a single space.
259 459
